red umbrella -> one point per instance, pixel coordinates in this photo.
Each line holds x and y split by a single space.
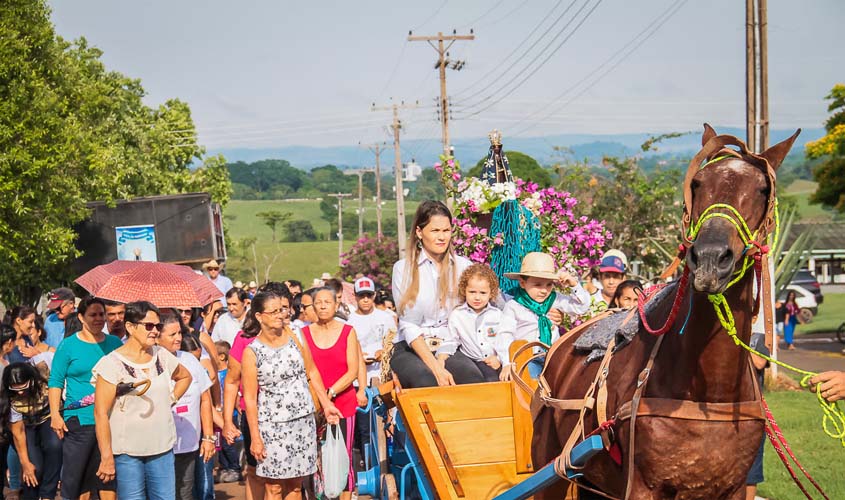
165 285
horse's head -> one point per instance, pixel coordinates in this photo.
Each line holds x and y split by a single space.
728 202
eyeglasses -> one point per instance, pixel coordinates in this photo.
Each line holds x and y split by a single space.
277 312
213 268
306 306
151 326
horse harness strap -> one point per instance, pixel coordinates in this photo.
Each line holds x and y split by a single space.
692 410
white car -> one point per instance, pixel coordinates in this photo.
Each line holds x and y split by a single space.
805 300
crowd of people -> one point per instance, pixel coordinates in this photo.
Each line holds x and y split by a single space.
131 401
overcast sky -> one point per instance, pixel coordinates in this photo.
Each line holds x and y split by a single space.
273 73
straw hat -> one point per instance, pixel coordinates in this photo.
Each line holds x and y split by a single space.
211 263
538 265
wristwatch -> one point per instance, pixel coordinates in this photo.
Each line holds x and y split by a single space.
331 392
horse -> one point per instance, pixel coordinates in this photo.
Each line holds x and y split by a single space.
700 431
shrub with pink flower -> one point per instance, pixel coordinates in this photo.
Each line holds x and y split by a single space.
371 257
576 243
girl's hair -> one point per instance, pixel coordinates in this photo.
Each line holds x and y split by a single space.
252 327
635 284
19 374
89 301
478 271
20 312
190 342
446 288
7 333
792 294
135 311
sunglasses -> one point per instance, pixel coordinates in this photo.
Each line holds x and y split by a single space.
213 268
151 326
184 311
20 389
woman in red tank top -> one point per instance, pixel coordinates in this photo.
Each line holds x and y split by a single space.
334 347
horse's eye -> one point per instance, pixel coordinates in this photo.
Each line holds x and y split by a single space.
765 191
695 184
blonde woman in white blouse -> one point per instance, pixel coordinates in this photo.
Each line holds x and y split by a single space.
425 287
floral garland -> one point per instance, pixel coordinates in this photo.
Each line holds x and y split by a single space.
574 242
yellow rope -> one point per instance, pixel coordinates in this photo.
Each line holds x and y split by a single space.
833 421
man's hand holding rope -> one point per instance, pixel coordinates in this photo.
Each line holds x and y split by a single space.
832 385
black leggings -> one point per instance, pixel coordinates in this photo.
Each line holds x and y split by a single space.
412 372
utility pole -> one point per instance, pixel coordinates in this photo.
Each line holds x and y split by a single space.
442 63
756 75
377 150
340 197
396 126
360 172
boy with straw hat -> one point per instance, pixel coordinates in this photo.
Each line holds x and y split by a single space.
535 297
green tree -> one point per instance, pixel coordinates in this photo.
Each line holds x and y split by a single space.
831 174
299 230
523 167
72 132
274 218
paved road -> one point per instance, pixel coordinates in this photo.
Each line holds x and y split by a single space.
821 352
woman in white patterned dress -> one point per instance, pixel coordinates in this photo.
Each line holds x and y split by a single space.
279 407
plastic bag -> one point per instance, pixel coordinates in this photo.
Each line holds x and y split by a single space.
335 462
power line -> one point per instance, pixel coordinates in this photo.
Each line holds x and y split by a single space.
484 78
530 74
486 13
432 16
649 31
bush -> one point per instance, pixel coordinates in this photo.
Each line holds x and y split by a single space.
299 230
372 258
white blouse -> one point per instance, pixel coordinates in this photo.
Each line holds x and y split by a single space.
425 317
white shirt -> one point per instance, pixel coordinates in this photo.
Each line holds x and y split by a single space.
371 329
426 317
527 327
186 411
224 284
227 328
479 334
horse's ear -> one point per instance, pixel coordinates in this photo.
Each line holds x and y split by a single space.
708 134
778 152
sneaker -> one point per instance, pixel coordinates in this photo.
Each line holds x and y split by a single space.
230 476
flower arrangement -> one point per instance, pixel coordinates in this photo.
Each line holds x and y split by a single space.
575 242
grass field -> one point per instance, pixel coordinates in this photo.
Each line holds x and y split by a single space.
279 261
801 191
831 315
799 417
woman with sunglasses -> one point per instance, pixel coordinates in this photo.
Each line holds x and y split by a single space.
136 434
71 372
25 410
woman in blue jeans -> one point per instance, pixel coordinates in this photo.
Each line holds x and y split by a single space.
25 409
136 432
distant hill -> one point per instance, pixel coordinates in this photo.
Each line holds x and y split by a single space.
469 150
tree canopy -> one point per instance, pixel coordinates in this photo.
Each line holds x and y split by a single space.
523 167
831 173
72 131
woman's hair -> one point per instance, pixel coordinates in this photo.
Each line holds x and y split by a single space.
426 210
296 305
19 374
170 316
190 342
89 301
20 312
276 287
252 326
335 285
39 326
621 287
315 291
72 325
791 296
478 271
383 296
7 333
136 311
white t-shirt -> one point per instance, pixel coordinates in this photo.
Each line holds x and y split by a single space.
186 412
227 328
371 329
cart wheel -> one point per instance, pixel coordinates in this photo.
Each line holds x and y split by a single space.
806 315
388 488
